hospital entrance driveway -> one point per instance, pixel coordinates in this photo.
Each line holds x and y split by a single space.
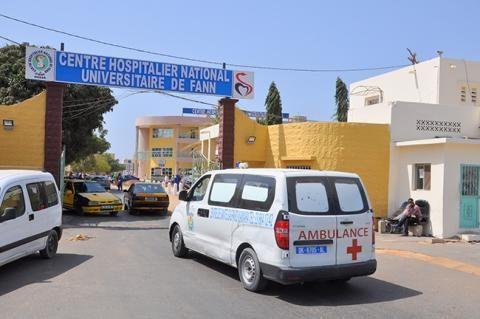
123 268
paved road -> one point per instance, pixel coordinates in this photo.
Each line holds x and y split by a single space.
126 270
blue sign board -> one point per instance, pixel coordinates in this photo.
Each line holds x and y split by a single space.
78 68
212 112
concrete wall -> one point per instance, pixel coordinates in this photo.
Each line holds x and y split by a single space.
349 147
402 184
455 73
23 146
411 84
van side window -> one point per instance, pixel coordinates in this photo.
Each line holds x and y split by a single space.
13 199
350 194
258 193
309 196
51 193
223 189
37 200
199 189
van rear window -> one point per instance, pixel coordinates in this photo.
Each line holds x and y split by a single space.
309 195
319 195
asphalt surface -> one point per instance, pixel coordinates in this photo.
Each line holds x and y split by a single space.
126 270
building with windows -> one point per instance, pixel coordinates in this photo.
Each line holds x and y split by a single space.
165 145
433 112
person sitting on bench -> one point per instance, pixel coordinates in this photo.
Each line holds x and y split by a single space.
407 216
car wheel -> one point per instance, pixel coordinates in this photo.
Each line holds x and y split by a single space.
250 272
178 246
51 246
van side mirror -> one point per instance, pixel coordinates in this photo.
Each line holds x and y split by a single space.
183 195
9 213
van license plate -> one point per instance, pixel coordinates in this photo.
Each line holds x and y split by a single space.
307 250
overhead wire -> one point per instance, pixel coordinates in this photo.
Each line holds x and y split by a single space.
249 66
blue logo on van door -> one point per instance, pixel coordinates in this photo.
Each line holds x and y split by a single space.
306 250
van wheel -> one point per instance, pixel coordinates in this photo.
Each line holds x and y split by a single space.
178 246
51 246
249 271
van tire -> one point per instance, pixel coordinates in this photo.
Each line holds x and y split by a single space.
178 245
250 272
51 246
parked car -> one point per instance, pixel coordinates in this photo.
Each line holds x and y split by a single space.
90 197
128 180
146 197
104 181
282 225
30 214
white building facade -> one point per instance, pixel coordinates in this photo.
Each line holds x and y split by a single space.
434 115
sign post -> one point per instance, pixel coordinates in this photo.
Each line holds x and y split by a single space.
78 68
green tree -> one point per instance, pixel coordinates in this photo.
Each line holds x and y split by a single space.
273 104
115 165
83 110
341 101
95 164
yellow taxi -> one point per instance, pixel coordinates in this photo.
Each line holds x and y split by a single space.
90 197
146 197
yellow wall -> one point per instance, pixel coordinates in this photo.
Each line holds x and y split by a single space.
348 147
23 146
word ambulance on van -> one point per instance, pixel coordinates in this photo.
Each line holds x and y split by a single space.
282 225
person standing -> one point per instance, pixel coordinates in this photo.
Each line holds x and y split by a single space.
120 182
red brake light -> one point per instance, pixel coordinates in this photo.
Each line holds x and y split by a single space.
373 230
281 229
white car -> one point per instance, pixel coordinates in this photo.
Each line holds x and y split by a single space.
284 225
30 214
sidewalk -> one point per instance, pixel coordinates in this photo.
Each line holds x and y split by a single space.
459 251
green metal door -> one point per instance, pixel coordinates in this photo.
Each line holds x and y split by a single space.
469 196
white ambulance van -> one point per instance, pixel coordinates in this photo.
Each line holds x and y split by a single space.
283 225
30 214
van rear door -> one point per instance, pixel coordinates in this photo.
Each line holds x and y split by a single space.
354 219
312 222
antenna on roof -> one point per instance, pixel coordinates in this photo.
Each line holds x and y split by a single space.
440 53
413 56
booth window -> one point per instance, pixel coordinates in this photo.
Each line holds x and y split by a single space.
422 176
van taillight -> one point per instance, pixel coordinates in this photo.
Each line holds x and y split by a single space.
373 230
281 229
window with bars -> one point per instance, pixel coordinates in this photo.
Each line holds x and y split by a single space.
162 152
473 95
422 174
160 172
470 180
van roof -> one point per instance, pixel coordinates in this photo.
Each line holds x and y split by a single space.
287 172
16 174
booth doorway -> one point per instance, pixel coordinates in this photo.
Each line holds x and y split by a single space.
469 196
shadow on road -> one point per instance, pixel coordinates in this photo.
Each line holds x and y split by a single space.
360 290
33 269
124 221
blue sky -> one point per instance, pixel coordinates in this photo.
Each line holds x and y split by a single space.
303 34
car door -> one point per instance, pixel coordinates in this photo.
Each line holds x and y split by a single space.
355 221
68 196
215 226
197 200
38 213
14 233
312 222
